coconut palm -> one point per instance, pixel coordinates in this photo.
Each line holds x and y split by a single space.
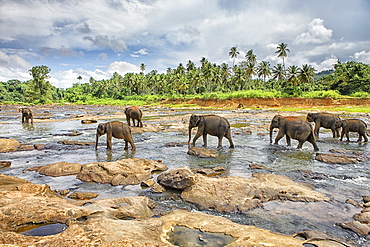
142 67
278 72
233 53
306 74
282 51
264 70
293 72
251 58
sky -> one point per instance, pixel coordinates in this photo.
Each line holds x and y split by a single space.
95 38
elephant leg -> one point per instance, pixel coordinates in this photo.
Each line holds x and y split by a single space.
141 123
359 137
334 131
347 135
219 142
109 141
311 139
365 137
197 135
279 136
316 131
204 139
228 136
300 144
288 142
126 145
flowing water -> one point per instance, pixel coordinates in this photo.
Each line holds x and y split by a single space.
339 182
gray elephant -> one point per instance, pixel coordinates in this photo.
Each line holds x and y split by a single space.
352 125
27 115
293 128
134 113
325 120
210 124
115 129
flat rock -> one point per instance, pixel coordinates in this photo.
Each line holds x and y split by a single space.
179 178
8 145
121 172
5 164
202 152
65 142
237 194
83 195
59 169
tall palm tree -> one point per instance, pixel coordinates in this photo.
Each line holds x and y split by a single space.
233 53
251 58
278 72
293 75
282 51
264 70
306 74
190 66
142 67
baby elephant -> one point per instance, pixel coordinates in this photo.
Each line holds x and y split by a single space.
133 113
27 115
115 129
352 125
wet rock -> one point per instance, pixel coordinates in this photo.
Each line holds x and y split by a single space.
25 147
354 203
256 166
63 192
58 169
356 226
4 164
83 195
176 144
320 239
366 199
312 175
157 188
237 194
147 183
180 178
8 145
216 171
66 142
121 172
88 121
202 152
39 146
335 158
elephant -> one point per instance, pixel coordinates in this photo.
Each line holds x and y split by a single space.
295 128
352 125
115 129
210 124
133 113
325 120
27 115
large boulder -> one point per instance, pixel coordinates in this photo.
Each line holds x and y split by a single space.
59 169
103 222
342 157
121 172
8 145
179 178
237 194
202 152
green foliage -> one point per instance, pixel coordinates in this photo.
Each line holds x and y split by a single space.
322 94
39 91
361 95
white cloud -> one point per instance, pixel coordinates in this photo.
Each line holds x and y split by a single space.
362 56
317 33
122 68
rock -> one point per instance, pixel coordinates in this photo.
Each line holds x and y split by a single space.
39 146
216 171
237 194
102 222
366 199
202 152
59 169
157 188
356 226
354 203
320 239
65 142
121 172
176 144
337 158
256 166
25 147
83 195
4 164
88 121
179 178
147 183
8 145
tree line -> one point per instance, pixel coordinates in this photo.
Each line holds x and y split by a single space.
348 78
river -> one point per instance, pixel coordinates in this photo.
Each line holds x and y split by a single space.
339 182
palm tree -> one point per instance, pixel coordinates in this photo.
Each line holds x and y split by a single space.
293 75
306 74
190 66
142 67
278 72
79 78
251 58
282 51
264 70
233 53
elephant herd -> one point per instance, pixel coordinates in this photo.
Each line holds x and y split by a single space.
289 126
301 130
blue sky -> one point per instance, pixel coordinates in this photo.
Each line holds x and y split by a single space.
95 38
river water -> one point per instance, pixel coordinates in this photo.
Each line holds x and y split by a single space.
339 182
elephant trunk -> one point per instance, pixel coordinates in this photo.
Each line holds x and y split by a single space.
96 142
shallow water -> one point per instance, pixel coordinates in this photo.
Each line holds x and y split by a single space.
341 182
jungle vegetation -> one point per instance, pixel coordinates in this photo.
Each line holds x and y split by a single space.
249 78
